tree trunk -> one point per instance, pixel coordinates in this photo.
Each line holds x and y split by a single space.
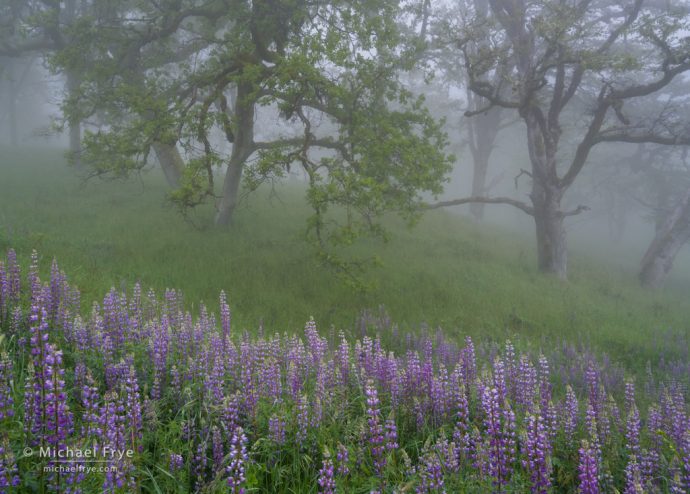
170 160
480 170
74 124
482 129
12 93
669 239
242 149
12 115
552 252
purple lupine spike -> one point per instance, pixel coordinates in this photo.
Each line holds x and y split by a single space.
511 368
431 473
501 442
9 474
6 378
391 437
56 281
684 452
13 276
276 429
462 424
438 395
4 293
176 462
159 356
588 469
326 479
200 464
114 437
230 415
214 379
469 361
302 420
632 431
90 404
571 413
133 404
499 380
526 384
343 459
58 419
545 388
248 358
34 280
592 427
218 449
593 388
537 448
633 477
374 435
225 317
238 459
629 395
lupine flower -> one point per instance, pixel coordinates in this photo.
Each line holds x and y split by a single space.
391 439
133 404
176 462
633 477
499 423
218 453
9 475
114 436
302 420
238 461
571 413
200 463
276 429
588 470
6 400
537 450
225 318
431 473
632 431
13 276
375 437
343 459
326 479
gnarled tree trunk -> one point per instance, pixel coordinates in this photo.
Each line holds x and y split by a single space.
242 149
673 234
552 252
170 160
483 130
74 124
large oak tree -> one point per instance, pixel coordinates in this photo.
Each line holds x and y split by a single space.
575 68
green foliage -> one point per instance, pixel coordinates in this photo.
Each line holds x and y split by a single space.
187 72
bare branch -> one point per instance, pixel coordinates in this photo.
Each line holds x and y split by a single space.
484 200
522 172
574 212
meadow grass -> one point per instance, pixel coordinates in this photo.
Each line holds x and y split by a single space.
447 271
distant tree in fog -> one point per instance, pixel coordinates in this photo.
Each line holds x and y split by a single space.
31 28
575 68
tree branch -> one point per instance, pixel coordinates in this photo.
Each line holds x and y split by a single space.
484 200
574 212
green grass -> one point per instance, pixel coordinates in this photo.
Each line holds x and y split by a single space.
446 271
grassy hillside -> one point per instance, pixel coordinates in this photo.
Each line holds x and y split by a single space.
446 271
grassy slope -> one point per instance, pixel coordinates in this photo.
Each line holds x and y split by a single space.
445 272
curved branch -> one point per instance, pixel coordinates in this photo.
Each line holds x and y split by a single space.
484 200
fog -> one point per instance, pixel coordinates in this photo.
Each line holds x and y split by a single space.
613 209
